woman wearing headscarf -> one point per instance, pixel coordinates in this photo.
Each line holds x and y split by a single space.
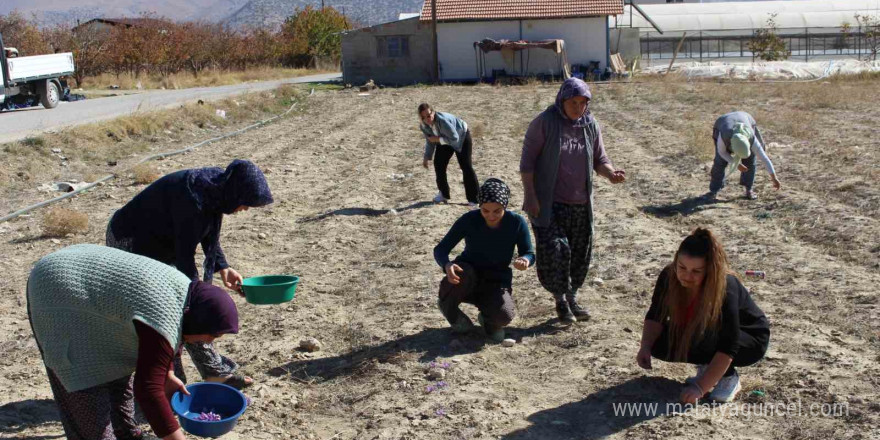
481 274
107 323
562 148
172 216
701 314
738 143
445 135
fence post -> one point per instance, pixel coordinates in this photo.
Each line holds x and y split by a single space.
807 53
701 46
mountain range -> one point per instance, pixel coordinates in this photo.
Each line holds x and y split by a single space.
237 13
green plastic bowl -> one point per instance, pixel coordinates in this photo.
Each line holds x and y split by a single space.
270 289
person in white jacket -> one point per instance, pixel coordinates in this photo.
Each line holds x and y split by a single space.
738 145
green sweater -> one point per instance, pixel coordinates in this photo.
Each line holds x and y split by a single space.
82 302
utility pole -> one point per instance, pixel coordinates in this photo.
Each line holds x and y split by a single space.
436 73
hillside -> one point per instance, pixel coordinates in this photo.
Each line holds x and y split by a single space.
273 12
235 12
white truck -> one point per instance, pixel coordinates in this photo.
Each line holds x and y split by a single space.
33 79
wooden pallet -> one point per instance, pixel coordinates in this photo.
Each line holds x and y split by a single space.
617 64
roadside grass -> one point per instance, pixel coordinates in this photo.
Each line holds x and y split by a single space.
186 80
102 148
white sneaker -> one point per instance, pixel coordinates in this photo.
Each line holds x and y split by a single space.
700 370
727 388
472 205
440 199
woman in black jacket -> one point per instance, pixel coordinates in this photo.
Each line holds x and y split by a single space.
701 314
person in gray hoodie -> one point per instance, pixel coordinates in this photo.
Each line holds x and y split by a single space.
738 143
445 135
562 147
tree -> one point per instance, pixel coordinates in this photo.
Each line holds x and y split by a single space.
311 33
842 41
88 45
870 27
767 45
23 35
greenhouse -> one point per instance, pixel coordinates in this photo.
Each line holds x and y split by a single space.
811 29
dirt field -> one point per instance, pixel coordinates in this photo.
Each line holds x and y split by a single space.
369 282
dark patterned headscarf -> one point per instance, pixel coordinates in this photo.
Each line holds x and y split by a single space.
571 88
494 190
209 311
242 183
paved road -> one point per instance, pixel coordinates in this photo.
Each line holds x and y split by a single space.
19 124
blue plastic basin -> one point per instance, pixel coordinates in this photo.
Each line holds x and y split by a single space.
218 398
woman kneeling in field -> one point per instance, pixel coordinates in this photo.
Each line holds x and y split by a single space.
701 314
107 323
481 275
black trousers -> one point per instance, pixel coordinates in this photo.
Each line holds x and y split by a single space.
493 300
752 349
443 154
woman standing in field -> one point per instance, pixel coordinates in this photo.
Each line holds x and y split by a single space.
738 142
180 211
701 314
481 275
107 323
446 135
562 148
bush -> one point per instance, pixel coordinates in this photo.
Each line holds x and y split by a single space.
767 45
59 222
145 174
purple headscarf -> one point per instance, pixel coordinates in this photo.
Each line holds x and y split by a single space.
242 183
571 88
209 311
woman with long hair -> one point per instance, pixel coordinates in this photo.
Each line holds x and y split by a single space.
702 314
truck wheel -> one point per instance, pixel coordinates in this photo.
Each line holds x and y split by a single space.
49 94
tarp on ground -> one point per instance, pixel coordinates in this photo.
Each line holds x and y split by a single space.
770 70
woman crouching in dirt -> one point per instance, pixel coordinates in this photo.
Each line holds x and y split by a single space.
448 135
481 275
701 314
176 213
107 323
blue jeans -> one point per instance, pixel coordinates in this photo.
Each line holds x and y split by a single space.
746 179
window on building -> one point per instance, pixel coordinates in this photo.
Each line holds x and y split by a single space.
392 46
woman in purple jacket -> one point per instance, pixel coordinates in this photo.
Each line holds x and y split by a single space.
562 148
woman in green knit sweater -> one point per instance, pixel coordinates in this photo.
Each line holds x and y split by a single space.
108 323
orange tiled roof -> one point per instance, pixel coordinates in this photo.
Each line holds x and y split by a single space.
454 10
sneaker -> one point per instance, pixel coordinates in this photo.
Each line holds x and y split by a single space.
727 389
563 310
581 313
463 325
495 335
751 195
700 370
440 199
472 205
710 196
